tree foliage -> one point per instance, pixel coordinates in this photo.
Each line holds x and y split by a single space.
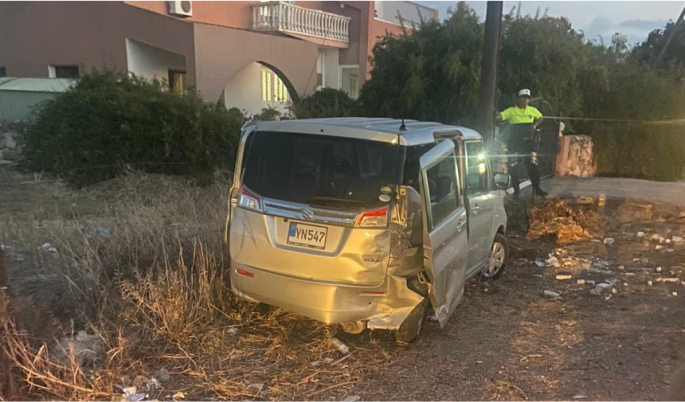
433 73
327 102
110 120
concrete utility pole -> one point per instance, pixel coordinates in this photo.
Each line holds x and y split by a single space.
670 38
489 68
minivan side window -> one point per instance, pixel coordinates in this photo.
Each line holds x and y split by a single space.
477 171
442 190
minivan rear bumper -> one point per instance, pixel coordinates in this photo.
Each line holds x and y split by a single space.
382 307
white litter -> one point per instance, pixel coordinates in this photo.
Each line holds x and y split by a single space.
48 248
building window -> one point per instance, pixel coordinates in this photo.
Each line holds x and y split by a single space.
3 72
273 88
63 71
353 86
177 81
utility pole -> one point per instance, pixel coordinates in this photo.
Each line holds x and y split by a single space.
489 68
670 38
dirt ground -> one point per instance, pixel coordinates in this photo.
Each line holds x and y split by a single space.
507 340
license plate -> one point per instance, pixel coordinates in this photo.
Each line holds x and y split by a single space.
310 236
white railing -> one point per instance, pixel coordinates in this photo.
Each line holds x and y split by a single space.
289 18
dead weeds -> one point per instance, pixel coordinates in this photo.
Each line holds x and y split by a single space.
563 222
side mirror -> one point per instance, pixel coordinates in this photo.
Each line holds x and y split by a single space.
502 181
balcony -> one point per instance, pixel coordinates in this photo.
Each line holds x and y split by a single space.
315 25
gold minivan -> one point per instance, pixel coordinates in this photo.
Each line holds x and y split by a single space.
364 222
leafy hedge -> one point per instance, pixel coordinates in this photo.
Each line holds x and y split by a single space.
327 102
110 121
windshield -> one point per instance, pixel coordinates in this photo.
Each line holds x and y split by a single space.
336 172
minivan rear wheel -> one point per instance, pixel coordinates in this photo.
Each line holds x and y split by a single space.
497 261
410 329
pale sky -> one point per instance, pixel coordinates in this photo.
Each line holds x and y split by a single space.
632 18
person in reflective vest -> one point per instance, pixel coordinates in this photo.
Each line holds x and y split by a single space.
523 121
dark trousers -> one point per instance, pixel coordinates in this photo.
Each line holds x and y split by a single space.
520 157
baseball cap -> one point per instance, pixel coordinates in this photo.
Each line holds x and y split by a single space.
524 92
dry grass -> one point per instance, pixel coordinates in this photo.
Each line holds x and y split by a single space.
155 292
566 223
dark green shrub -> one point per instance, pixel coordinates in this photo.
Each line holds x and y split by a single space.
110 120
327 102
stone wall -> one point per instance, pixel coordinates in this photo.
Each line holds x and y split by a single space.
575 157
11 142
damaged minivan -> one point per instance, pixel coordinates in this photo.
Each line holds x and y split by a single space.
364 222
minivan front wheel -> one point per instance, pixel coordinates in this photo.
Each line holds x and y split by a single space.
497 261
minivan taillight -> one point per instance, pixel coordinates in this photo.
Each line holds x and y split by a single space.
247 199
373 219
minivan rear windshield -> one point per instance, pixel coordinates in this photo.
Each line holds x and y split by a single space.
318 170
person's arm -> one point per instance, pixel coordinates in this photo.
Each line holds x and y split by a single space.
504 116
537 118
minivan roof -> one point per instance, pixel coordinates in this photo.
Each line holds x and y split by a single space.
377 129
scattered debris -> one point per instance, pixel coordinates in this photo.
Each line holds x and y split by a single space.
580 282
668 280
232 331
579 396
607 296
552 294
590 282
657 238
178 396
650 283
540 262
640 234
678 240
131 395
433 317
315 364
658 269
609 241
674 293
553 261
352 398
599 288
47 247
563 277
614 290
658 247
336 343
328 360
621 268
86 349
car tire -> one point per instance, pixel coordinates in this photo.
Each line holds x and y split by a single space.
410 330
497 259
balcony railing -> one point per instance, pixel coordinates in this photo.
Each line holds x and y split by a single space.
289 18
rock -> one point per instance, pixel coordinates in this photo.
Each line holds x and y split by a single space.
640 234
674 293
352 398
163 375
315 364
232 331
552 261
590 282
579 396
563 277
621 267
614 291
609 241
658 269
552 294
178 396
580 282
650 283
599 288
658 247
86 349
